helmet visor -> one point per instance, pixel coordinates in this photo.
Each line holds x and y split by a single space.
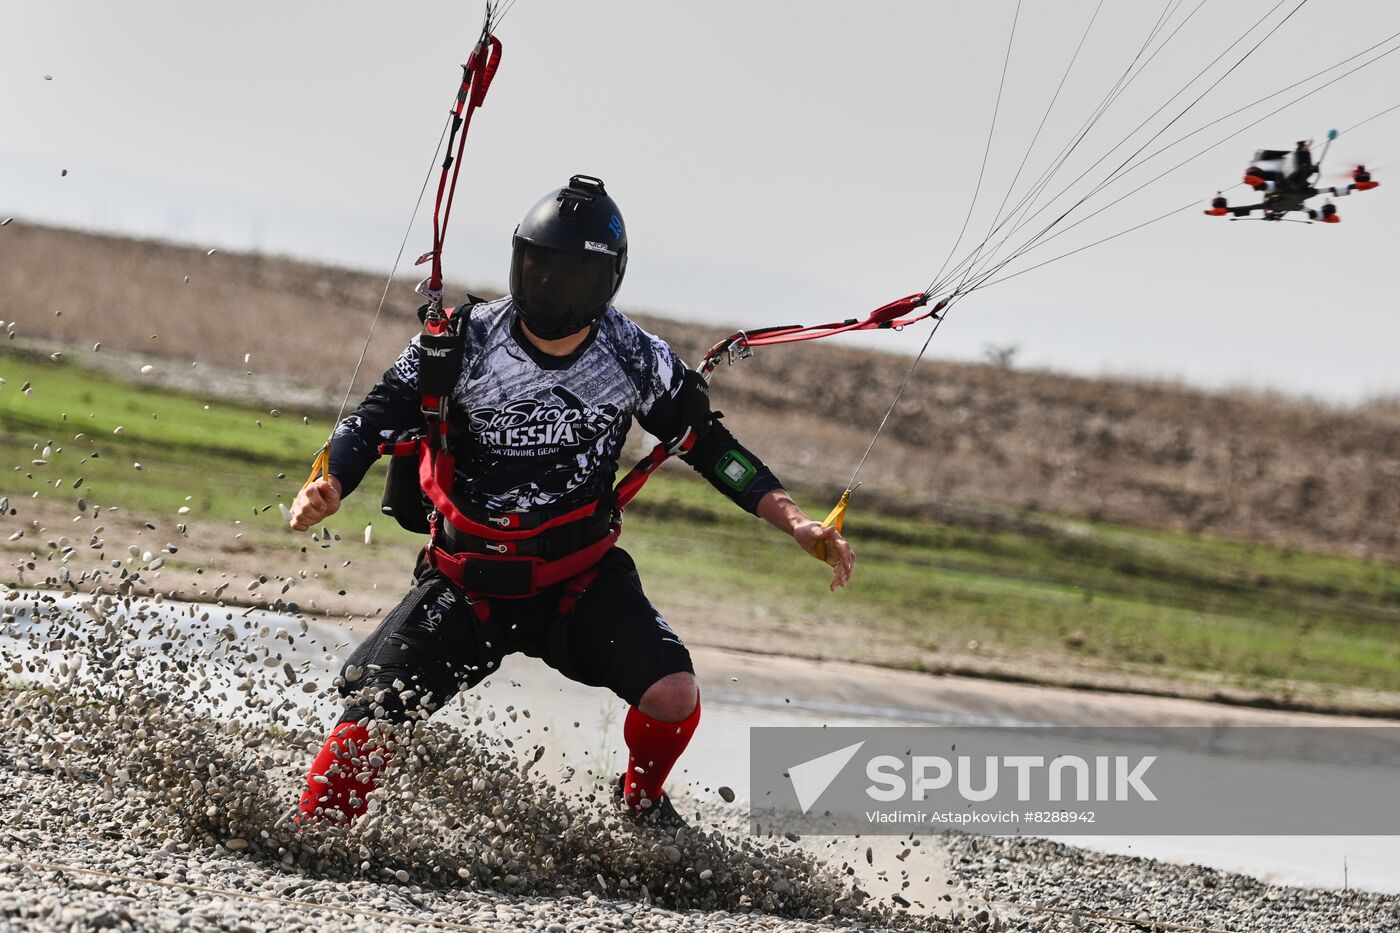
554 288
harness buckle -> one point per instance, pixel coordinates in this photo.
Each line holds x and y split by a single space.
678 444
499 548
503 520
425 287
738 350
436 419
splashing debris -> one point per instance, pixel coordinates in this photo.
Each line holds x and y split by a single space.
171 728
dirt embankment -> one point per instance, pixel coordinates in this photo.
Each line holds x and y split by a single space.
1237 465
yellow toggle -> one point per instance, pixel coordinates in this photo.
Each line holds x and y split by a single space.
836 517
321 466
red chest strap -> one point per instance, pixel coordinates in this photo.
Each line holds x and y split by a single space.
436 470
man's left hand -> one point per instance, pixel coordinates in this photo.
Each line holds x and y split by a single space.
838 553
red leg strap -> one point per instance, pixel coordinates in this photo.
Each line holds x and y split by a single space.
575 589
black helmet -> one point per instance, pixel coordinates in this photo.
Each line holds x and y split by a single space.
568 257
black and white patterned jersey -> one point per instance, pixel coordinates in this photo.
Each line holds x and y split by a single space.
530 430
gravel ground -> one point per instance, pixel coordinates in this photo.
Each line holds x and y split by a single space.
1037 872
166 749
120 754
253 898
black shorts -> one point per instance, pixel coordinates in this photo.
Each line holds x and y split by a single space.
432 644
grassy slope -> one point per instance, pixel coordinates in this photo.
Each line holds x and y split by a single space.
1234 465
1036 589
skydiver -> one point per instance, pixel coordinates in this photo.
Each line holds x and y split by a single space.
557 330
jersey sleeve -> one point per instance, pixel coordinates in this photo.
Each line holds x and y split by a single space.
729 466
392 407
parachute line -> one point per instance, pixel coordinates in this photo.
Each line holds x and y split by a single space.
991 132
494 12
388 282
1123 81
1375 116
899 393
1097 187
1317 74
1202 152
1037 238
1192 203
997 221
1111 177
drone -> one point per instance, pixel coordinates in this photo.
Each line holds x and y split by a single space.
1288 182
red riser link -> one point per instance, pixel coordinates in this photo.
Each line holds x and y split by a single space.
476 80
487 73
895 308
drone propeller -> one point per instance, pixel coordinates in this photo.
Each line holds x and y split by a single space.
1350 173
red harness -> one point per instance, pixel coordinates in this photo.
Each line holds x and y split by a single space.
506 574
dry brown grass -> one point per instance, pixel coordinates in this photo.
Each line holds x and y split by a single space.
1237 465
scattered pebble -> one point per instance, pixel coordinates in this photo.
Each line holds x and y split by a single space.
1156 894
200 793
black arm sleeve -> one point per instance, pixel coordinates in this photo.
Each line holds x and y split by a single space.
392 407
731 467
728 465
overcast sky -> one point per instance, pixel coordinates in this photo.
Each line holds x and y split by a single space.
776 162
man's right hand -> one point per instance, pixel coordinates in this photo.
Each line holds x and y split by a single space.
316 502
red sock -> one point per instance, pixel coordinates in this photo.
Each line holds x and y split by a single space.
653 748
343 774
